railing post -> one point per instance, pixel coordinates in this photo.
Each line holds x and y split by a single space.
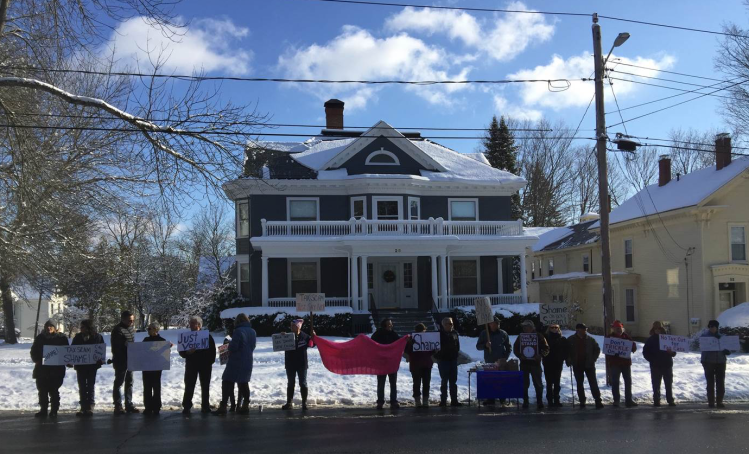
520 226
364 229
265 227
431 225
352 226
440 226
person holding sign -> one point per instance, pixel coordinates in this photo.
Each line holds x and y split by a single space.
714 364
495 343
152 379
584 351
86 373
530 346
661 365
239 367
620 366
295 362
448 362
122 334
385 335
198 363
48 378
420 364
554 363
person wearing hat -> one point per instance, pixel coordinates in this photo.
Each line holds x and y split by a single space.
447 362
661 365
621 367
714 364
530 362
48 378
385 336
496 346
296 364
420 365
583 353
554 363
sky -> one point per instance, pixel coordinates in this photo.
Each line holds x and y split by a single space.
317 40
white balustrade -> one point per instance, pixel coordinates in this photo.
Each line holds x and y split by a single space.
468 300
391 228
291 302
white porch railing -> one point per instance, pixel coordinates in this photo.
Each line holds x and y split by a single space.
391 228
291 302
468 300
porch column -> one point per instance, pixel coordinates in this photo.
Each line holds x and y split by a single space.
500 283
443 282
355 305
435 291
264 272
364 284
523 279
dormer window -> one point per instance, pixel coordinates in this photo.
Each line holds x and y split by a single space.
382 157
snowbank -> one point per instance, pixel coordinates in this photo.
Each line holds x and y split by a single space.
508 310
735 317
250 311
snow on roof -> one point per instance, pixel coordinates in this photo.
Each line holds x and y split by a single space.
319 152
459 166
735 317
551 236
578 275
508 310
254 311
689 190
289 147
480 157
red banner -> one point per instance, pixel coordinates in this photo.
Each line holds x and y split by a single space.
361 356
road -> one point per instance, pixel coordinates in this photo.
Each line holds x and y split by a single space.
684 429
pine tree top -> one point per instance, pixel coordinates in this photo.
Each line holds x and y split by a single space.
499 146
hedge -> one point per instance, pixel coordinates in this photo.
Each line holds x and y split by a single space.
325 325
466 322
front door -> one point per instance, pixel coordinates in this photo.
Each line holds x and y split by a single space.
726 300
388 280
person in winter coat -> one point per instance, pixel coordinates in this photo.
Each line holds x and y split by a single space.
714 364
198 363
48 378
620 366
385 335
496 347
86 373
531 365
661 365
295 362
447 364
554 363
229 327
239 367
152 379
583 353
420 364
122 334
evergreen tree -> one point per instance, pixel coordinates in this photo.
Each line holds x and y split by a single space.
501 151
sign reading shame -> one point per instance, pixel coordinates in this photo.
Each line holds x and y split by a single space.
674 343
283 342
528 345
148 356
483 309
76 355
310 302
614 346
553 314
426 342
193 339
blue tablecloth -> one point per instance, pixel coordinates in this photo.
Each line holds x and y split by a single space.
499 385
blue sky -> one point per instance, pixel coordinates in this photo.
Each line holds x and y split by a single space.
310 39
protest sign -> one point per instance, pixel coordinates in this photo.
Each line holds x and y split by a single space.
528 345
223 354
148 356
283 342
713 344
310 302
193 339
553 314
484 313
76 355
674 343
426 342
730 343
614 346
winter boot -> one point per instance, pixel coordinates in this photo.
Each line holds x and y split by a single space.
525 403
656 403
304 391
118 411
245 409
289 398
417 401
540 405
631 404
42 413
221 410
599 404
394 405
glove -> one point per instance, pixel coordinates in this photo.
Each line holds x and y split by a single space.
726 352
567 363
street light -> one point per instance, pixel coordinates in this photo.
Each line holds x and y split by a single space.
620 39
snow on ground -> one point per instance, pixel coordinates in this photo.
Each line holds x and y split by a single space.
735 317
268 386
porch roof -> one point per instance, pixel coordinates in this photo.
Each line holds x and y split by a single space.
581 275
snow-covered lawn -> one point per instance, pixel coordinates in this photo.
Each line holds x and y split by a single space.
18 391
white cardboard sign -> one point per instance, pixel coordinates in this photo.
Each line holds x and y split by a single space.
528 345
614 346
310 302
223 354
148 356
426 342
713 344
674 343
193 339
483 309
553 314
283 342
76 355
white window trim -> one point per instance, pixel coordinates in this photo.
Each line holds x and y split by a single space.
382 198
634 300
289 261
243 259
461 199
550 266
356 199
290 199
238 220
624 252
582 262
382 151
746 246
418 204
451 273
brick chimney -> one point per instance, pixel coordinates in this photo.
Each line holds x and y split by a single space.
334 114
722 150
664 170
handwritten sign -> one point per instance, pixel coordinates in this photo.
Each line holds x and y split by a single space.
223 354
193 339
283 342
426 342
310 302
553 314
713 344
76 355
528 345
613 346
674 343
484 313
148 356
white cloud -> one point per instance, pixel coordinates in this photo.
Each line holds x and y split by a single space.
207 44
501 38
356 54
504 108
577 67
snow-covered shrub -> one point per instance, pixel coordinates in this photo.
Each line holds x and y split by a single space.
276 322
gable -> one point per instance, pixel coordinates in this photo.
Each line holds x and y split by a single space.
382 156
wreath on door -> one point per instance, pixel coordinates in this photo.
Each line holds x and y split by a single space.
388 276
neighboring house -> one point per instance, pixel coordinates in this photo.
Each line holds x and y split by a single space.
678 251
25 303
375 219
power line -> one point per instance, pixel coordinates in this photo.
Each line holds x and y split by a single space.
669 72
676 147
655 24
663 79
669 88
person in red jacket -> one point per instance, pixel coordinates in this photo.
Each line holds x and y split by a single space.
621 367
420 365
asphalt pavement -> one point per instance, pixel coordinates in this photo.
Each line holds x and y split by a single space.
684 429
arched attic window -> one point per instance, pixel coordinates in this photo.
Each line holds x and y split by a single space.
382 157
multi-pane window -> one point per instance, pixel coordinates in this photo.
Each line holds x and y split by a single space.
630 304
586 263
738 243
408 275
243 219
414 209
303 210
627 253
463 210
540 269
387 210
533 269
358 207
551 267
244 279
465 277
303 277
370 276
